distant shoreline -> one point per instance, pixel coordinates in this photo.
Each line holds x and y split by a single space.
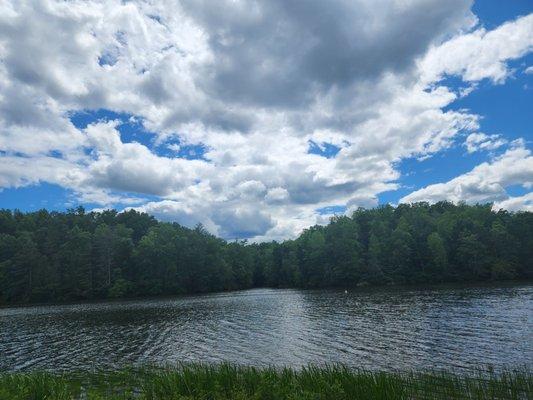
52 257
365 289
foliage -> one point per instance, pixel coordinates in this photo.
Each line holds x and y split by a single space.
228 381
54 256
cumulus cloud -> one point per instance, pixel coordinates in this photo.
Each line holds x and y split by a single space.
480 54
479 141
132 167
253 84
281 53
18 171
517 203
486 182
231 221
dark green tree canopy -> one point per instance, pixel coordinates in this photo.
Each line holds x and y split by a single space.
76 255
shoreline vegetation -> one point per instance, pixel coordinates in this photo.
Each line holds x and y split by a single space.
61 257
228 381
359 290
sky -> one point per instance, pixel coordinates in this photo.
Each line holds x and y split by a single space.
259 119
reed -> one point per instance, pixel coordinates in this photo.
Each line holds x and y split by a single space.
228 381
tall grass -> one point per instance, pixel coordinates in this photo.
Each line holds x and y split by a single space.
227 381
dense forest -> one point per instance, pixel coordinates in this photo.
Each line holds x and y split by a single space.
55 256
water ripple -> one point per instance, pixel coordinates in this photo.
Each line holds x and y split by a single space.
380 329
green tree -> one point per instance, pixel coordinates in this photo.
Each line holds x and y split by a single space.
438 258
74 260
403 269
343 252
52 256
312 258
472 257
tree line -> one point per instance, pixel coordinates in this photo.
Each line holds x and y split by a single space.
75 255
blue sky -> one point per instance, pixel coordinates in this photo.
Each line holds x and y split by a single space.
505 110
193 126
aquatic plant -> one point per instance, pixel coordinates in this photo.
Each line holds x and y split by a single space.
228 381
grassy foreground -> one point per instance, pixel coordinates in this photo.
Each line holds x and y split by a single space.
226 381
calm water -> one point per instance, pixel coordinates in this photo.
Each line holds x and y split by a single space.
385 329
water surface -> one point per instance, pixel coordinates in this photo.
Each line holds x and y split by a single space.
377 329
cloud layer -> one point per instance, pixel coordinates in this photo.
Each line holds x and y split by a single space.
254 85
486 182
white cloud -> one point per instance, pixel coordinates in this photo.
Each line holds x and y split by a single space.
277 194
363 76
486 182
132 167
22 171
479 141
518 203
480 54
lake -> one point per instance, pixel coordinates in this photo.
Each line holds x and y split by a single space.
377 329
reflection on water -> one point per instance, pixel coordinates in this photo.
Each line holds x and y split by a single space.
379 329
